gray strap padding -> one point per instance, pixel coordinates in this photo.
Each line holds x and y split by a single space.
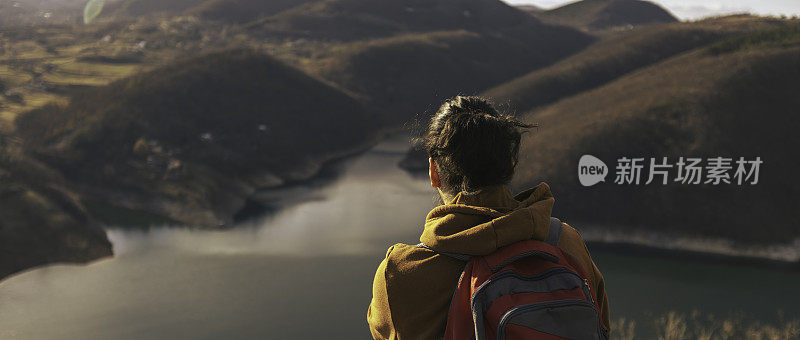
460 257
554 234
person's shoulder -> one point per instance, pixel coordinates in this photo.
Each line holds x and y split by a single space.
570 233
572 242
401 252
412 260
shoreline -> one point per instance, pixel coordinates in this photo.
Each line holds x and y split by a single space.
324 170
652 244
708 250
785 257
633 249
246 190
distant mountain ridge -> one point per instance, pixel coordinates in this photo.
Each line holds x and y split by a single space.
360 19
600 14
231 11
616 55
242 11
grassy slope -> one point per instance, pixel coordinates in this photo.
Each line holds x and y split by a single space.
44 64
617 55
241 11
402 56
41 221
701 104
407 73
190 139
362 19
598 14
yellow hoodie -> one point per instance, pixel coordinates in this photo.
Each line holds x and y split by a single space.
413 286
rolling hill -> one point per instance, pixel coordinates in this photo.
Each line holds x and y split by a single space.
242 11
600 14
363 19
404 75
402 56
735 98
228 11
192 139
728 94
616 55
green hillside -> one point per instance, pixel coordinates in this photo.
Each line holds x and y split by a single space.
616 55
403 75
191 140
706 103
362 19
599 14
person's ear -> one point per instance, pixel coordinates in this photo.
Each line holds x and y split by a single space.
433 172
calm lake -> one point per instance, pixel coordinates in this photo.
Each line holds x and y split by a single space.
305 271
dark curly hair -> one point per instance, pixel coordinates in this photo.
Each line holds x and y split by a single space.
472 144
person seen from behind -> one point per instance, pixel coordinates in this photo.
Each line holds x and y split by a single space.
491 264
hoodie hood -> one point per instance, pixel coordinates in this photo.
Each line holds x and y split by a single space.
478 223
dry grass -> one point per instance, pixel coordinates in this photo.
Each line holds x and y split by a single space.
702 326
623 329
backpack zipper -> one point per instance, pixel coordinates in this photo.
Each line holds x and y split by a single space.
538 277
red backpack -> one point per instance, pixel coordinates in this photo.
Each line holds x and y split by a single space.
527 290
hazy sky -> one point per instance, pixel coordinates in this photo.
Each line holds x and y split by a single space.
686 9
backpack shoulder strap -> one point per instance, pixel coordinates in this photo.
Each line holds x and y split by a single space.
460 257
554 234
